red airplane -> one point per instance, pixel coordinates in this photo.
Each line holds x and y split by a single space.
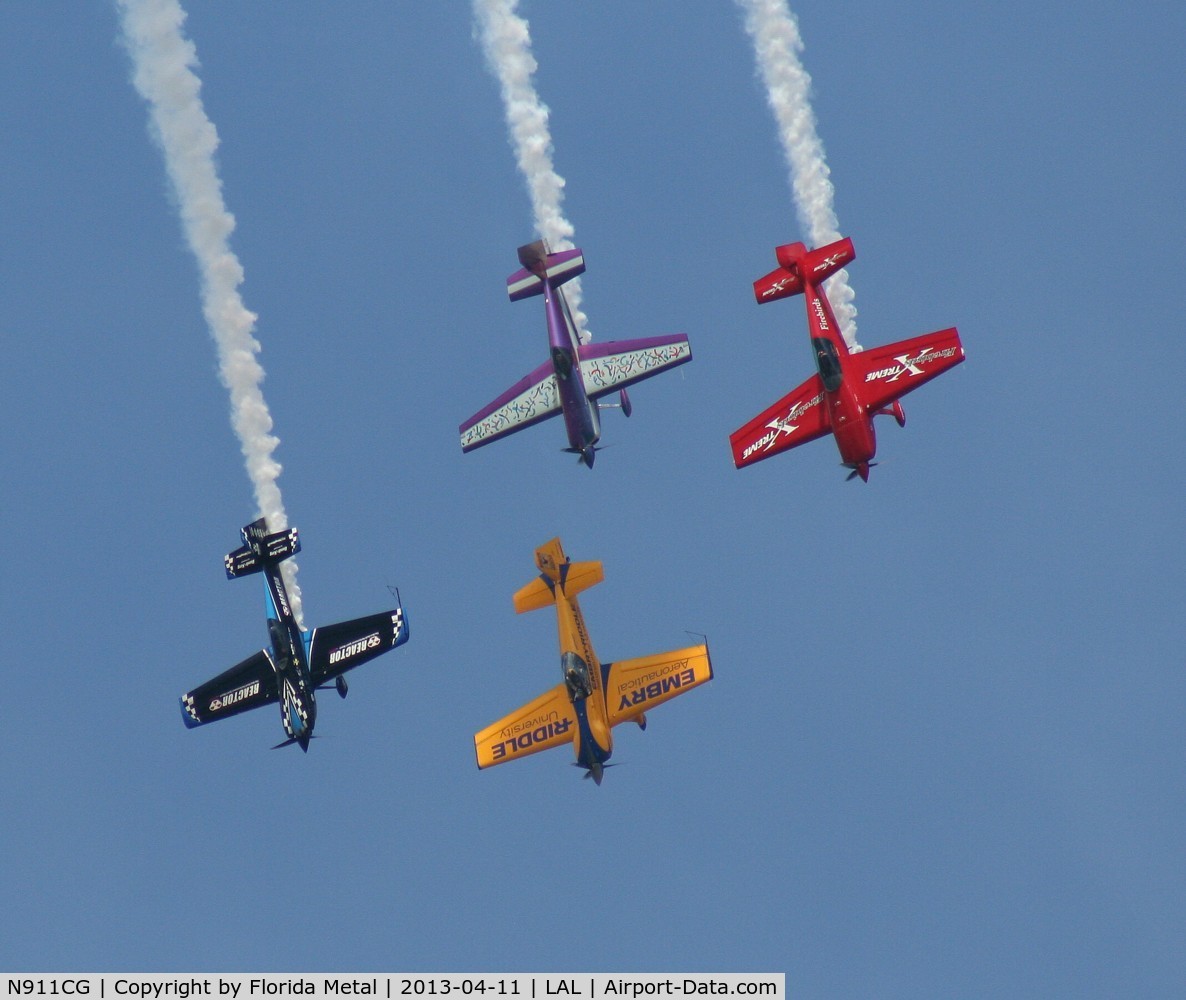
850 389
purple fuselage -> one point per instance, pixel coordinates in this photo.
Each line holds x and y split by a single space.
581 419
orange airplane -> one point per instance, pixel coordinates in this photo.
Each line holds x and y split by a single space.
593 697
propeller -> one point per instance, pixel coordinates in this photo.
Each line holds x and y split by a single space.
591 773
862 470
304 746
587 456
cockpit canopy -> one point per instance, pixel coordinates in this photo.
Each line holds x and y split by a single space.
562 362
576 676
827 360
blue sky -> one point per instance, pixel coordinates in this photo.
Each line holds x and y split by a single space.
943 753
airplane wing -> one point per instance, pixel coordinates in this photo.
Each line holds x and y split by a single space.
245 686
799 417
889 372
528 401
334 649
539 725
635 686
616 364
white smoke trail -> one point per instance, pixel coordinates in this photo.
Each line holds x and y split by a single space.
162 60
506 40
777 45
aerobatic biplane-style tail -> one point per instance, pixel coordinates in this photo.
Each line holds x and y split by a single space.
556 570
796 262
538 263
261 549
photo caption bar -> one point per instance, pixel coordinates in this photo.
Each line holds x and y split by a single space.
394 986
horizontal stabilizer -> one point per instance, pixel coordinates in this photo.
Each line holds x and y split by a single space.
556 570
261 549
797 264
241 562
541 592
780 283
538 263
580 576
815 265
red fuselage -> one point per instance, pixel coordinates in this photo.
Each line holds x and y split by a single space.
852 424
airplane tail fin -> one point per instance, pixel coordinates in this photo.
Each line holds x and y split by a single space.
796 263
556 570
261 549
538 264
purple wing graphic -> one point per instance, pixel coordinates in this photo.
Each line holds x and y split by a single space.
616 364
528 401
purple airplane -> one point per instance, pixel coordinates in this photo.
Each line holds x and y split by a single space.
576 375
